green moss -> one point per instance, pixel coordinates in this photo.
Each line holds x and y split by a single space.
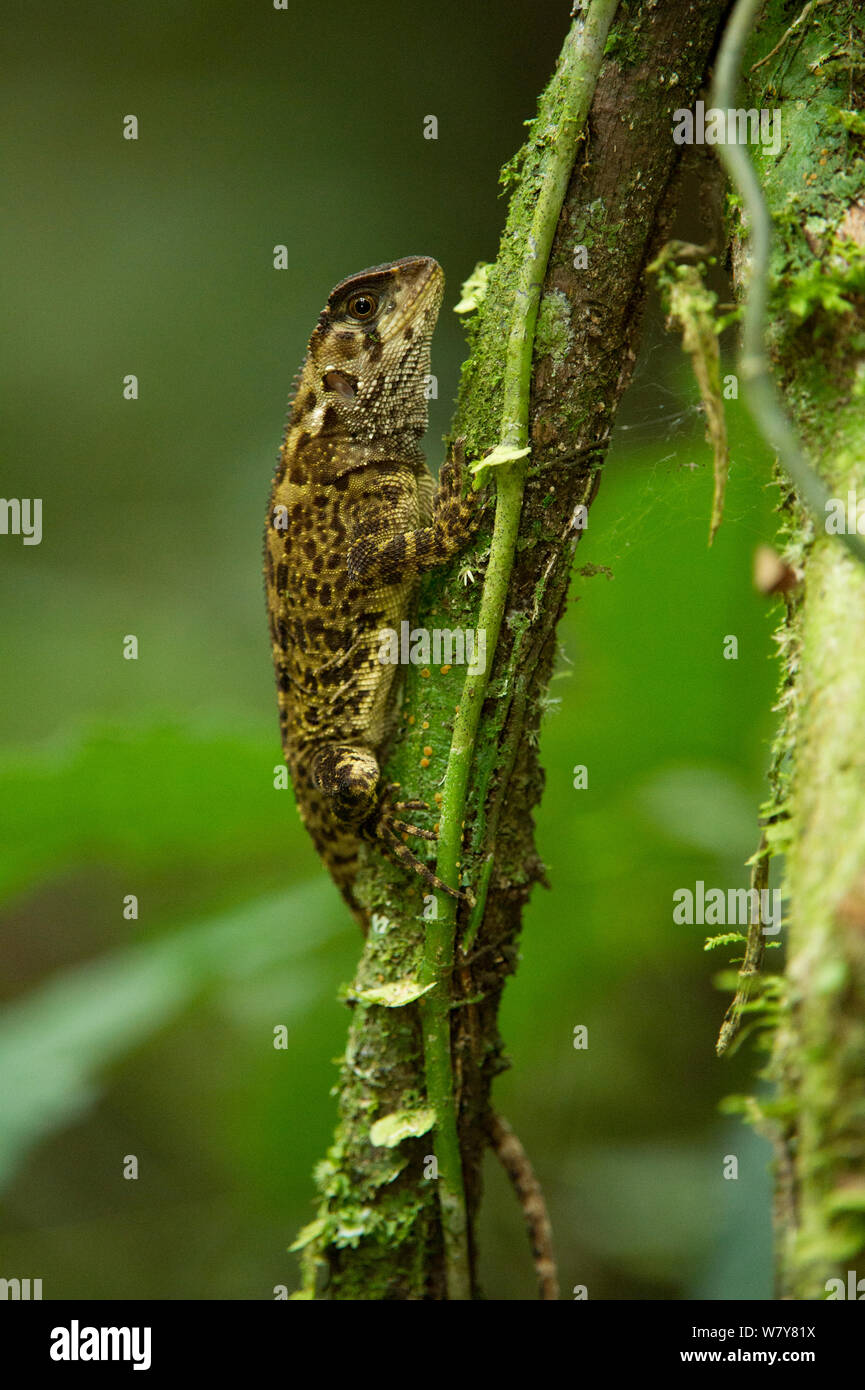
554 333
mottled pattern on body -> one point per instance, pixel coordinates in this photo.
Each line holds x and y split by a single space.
354 519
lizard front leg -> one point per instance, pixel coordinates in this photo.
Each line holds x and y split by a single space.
381 558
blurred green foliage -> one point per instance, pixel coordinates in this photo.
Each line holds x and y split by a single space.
154 1036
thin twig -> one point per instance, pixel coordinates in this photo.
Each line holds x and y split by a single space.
787 34
516 1164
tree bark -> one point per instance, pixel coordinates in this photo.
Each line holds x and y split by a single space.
379 1233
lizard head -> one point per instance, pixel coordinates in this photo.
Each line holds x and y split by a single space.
369 354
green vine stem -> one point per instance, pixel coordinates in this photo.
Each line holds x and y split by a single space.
760 394
581 61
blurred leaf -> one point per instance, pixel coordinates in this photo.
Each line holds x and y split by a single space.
701 806
138 795
56 1042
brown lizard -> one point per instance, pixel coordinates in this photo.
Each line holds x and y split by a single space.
354 518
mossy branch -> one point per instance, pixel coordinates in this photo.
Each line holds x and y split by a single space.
380 1232
760 393
578 73
816 816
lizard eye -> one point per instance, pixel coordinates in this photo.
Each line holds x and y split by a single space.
362 306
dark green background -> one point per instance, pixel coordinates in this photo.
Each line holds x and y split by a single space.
154 1037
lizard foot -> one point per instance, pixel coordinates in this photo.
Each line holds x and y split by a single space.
393 848
385 831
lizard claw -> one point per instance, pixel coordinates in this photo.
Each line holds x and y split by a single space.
385 830
405 829
452 471
401 805
393 848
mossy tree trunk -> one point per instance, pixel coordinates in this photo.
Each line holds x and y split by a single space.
379 1233
814 186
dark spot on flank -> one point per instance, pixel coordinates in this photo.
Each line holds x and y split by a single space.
341 483
310 402
309 549
320 499
324 596
408 334
281 576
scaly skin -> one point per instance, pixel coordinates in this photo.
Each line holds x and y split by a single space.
354 519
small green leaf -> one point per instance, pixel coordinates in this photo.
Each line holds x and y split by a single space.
474 289
502 453
389 1131
394 995
308 1234
727 938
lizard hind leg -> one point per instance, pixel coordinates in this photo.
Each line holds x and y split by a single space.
349 777
392 847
